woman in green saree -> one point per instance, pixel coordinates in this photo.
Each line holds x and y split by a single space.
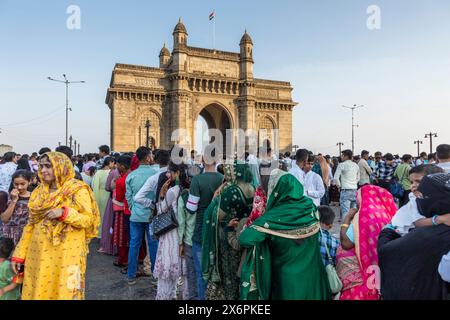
220 261
283 257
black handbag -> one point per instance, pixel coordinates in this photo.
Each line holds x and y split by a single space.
164 222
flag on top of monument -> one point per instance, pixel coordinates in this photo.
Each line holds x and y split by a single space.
212 15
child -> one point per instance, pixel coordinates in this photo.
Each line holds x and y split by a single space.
326 240
408 216
15 217
9 287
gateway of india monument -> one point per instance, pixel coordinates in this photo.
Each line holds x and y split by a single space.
192 82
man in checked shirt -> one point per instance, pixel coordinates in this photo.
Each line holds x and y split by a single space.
384 171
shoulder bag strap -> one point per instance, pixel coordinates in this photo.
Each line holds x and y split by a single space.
326 246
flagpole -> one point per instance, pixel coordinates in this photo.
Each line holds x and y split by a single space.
214 30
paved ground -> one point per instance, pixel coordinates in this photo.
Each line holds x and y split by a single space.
105 282
336 226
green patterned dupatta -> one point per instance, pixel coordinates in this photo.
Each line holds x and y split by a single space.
209 258
235 200
289 214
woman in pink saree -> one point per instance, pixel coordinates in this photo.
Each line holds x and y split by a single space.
357 257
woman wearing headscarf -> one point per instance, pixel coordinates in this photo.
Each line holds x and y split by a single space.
106 241
64 217
220 261
357 257
99 189
409 264
283 259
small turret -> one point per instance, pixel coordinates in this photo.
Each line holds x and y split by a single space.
246 57
179 53
164 57
179 35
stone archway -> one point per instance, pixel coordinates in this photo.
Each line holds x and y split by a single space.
266 131
189 80
216 116
154 131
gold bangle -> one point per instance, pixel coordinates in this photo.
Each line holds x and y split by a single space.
344 225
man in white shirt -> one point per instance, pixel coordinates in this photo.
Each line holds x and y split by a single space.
346 178
364 170
443 157
313 186
301 158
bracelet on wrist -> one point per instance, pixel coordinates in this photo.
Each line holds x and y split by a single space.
434 220
344 225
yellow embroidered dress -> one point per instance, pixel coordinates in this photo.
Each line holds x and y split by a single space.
54 252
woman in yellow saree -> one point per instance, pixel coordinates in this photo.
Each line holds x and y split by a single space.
54 245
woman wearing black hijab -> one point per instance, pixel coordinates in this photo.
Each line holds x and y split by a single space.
409 264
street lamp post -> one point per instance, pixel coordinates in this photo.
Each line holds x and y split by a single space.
70 140
66 82
418 142
340 144
147 127
431 136
353 125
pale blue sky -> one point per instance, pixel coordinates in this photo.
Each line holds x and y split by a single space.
401 73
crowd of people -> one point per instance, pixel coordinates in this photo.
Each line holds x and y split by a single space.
210 228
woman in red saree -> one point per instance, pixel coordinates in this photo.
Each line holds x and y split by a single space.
357 258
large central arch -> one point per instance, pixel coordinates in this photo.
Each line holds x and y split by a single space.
218 117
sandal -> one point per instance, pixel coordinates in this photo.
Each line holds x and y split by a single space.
119 264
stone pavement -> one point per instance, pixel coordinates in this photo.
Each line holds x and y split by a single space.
104 281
